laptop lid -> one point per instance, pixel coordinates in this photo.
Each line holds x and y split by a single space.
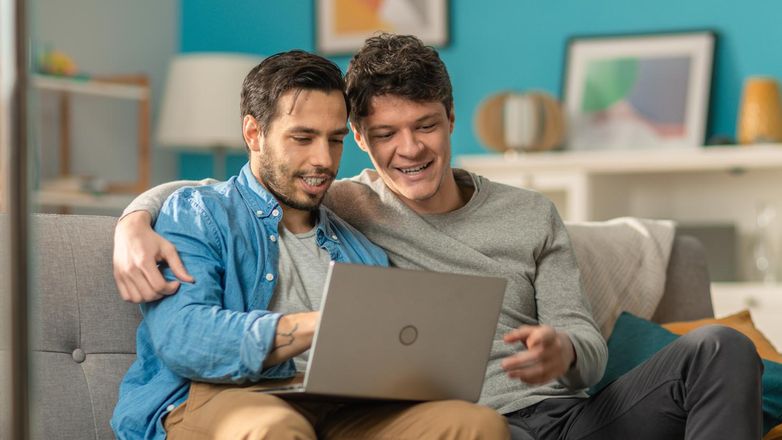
391 333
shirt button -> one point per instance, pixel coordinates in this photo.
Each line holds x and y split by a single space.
275 212
272 238
333 237
259 213
170 408
269 277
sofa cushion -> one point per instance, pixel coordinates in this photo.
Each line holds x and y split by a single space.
623 265
635 340
741 321
86 340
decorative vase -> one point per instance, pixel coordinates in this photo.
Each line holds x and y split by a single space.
760 116
512 121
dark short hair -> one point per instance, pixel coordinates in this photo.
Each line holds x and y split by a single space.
399 65
277 74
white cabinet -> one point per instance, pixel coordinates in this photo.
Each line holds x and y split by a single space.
763 301
698 186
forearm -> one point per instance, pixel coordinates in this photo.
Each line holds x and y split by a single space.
206 343
293 336
590 353
152 200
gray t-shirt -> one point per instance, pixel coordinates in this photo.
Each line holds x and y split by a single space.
502 231
302 272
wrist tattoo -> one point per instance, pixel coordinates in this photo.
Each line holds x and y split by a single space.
287 338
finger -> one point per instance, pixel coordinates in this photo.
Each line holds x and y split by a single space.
138 284
520 360
171 288
154 278
534 375
171 256
123 291
131 294
519 335
542 337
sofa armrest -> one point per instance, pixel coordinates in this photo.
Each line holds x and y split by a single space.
687 294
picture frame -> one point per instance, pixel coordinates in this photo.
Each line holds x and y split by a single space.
638 91
343 25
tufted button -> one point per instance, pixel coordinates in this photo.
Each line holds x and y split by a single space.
78 355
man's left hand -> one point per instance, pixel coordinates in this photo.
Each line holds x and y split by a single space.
549 354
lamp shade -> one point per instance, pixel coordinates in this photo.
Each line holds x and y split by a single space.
201 101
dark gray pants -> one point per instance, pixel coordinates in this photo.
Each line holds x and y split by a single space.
704 385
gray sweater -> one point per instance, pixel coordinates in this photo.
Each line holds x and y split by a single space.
502 231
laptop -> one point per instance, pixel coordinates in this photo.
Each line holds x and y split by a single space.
399 334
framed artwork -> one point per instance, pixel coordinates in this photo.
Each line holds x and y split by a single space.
642 91
343 25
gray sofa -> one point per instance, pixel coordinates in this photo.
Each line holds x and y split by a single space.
84 336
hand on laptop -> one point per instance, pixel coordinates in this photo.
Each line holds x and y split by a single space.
549 354
137 250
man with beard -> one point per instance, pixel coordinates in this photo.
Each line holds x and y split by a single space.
427 215
258 247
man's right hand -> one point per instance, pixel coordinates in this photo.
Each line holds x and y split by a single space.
137 250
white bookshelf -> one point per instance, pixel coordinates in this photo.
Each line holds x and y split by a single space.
697 186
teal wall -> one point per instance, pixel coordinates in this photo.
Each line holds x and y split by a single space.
507 44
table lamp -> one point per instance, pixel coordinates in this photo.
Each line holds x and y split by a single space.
200 108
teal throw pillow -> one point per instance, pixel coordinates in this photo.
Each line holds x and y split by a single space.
634 340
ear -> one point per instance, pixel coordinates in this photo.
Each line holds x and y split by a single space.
253 133
359 138
452 118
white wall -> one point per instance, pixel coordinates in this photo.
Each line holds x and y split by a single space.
106 37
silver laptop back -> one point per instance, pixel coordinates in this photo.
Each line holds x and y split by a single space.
392 333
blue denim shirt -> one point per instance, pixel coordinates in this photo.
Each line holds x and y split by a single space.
217 329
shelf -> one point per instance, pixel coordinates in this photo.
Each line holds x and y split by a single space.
87 86
134 87
72 199
722 158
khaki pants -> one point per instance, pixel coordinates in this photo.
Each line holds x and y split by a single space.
241 412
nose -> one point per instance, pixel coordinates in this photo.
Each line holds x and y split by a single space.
409 145
321 154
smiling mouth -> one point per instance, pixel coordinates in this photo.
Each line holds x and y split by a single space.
314 181
415 170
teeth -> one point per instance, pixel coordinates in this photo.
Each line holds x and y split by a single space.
414 170
314 181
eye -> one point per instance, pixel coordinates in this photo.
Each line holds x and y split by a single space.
302 139
382 135
427 127
337 141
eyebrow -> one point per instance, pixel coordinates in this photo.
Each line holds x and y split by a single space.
421 119
309 130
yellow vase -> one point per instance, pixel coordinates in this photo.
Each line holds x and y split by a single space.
760 116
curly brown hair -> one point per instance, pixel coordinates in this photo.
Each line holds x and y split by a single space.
399 65
277 74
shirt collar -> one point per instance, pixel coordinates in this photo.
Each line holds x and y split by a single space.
260 200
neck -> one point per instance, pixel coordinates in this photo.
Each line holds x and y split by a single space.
449 197
296 220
